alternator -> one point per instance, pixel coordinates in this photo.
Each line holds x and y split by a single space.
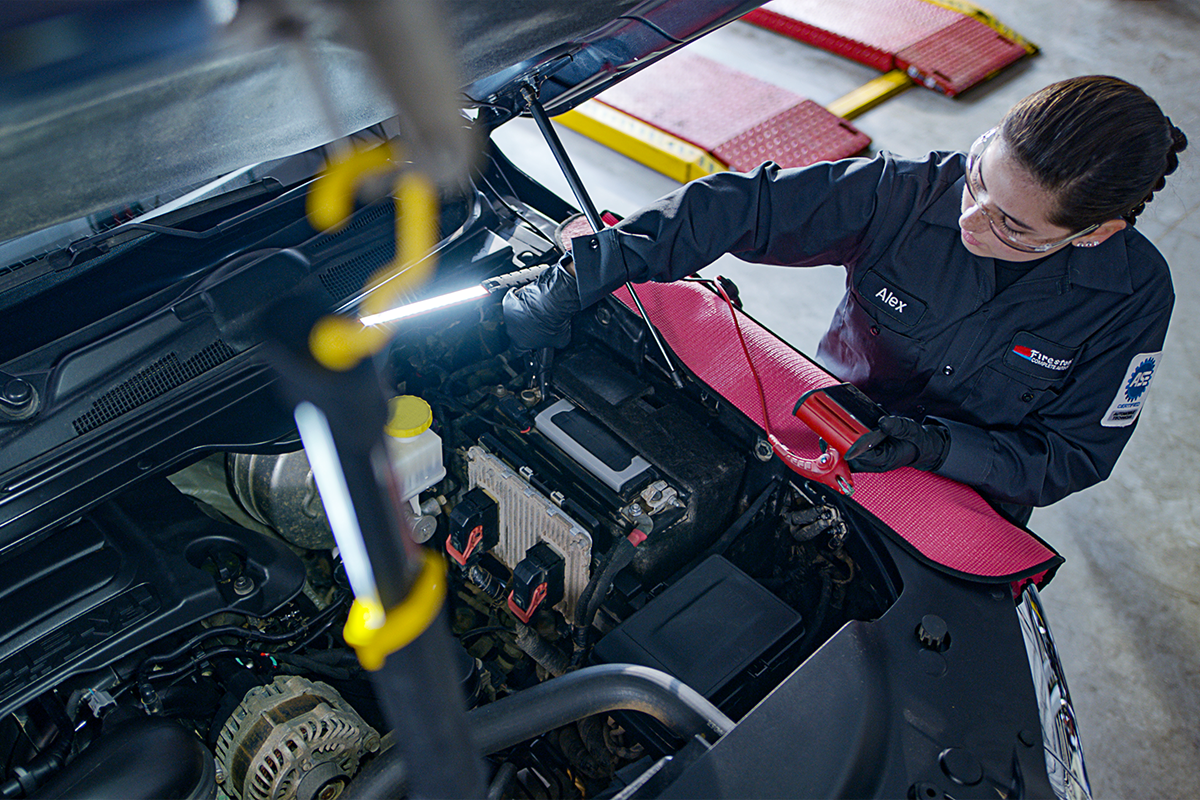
292 738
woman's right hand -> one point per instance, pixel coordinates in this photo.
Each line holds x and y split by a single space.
538 315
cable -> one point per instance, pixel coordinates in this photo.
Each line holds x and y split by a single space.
321 620
619 556
780 449
733 532
200 658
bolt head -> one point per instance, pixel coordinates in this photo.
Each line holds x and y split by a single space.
18 391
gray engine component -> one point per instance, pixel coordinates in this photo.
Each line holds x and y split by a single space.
279 491
292 738
528 517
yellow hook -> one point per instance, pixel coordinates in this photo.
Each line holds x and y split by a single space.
340 343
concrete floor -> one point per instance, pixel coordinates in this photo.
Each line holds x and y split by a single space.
1126 606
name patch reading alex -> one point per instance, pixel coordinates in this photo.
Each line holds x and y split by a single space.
1131 396
891 300
1039 357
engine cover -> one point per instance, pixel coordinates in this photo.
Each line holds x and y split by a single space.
132 570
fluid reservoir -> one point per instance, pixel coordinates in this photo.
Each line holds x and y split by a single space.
415 449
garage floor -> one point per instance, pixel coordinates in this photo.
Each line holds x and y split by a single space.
1126 606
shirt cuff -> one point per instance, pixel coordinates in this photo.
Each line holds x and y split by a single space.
969 457
599 266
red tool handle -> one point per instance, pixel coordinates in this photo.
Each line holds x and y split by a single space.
830 420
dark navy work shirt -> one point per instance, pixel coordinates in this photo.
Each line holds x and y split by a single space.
1039 383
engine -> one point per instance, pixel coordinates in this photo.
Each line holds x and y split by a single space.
591 513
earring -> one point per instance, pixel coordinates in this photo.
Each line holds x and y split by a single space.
1086 244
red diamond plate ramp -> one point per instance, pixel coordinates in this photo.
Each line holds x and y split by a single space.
958 56
945 522
948 49
741 120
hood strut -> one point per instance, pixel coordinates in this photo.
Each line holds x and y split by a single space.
589 210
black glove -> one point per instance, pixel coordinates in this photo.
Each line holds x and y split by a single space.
908 444
538 314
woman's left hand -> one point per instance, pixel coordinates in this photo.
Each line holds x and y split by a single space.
908 444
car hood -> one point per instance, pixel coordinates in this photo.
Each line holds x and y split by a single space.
142 97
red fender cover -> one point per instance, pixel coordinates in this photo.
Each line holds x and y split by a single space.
945 522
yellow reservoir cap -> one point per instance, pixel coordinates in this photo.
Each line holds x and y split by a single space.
408 416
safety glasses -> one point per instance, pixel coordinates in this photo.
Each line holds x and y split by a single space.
1014 239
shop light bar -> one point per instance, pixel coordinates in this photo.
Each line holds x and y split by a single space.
425 306
339 507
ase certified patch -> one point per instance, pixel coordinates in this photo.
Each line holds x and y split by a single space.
888 298
1039 357
1132 395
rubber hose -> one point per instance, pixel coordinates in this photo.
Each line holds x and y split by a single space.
558 702
384 775
45 764
595 690
139 757
500 783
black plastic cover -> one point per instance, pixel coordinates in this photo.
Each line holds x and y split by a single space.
145 757
705 629
873 712
131 571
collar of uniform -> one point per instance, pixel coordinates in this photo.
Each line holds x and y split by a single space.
1105 267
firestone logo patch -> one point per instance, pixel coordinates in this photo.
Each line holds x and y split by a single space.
1043 360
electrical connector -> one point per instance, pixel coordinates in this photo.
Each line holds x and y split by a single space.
538 579
474 527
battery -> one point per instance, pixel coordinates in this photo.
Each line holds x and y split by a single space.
593 447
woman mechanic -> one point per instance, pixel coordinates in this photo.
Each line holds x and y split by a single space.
999 304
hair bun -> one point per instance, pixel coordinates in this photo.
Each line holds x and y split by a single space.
1179 140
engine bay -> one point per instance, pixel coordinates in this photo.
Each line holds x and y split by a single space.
591 513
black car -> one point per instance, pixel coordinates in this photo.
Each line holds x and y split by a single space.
642 599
